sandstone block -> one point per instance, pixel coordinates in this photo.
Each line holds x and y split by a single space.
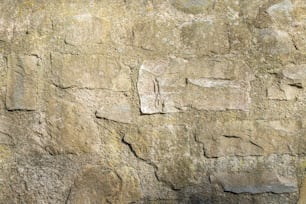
90 71
247 138
291 85
86 29
155 35
193 6
205 37
174 85
275 42
153 144
95 185
116 107
71 128
281 12
255 182
23 82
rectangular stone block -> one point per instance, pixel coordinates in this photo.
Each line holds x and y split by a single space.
250 138
174 85
86 29
255 182
89 71
22 82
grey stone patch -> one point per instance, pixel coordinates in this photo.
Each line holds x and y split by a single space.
193 6
255 182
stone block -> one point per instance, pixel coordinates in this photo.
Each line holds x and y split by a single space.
90 71
23 82
264 181
193 6
172 149
71 128
249 138
205 37
175 84
86 29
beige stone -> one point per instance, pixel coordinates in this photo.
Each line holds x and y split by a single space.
246 138
175 84
115 107
90 71
302 198
23 82
71 128
86 29
155 35
205 37
193 6
95 185
174 155
255 182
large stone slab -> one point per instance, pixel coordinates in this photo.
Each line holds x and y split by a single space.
249 138
172 149
90 71
95 185
86 29
255 182
23 82
174 85
155 35
71 128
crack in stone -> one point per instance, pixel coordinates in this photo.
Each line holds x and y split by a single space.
149 163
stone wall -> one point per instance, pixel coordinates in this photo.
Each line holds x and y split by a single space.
153 101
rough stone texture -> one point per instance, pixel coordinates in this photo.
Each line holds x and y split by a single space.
22 82
174 85
153 101
258 182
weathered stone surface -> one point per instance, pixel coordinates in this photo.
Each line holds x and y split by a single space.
152 101
22 85
90 71
193 6
156 35
205 37
292 84
85 28
71 129
302 198
256 182
296 74
275 42
281 12
95 186
246 138
174 155
115 107
174 85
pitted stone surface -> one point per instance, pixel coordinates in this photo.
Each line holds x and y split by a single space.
152 101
